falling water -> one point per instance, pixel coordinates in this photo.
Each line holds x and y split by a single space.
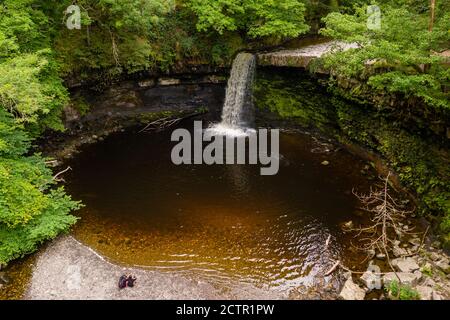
238 111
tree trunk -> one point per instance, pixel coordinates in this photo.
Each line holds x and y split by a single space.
432 14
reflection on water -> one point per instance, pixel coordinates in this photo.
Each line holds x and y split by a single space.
225 223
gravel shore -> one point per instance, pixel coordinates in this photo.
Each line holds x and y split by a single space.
67 269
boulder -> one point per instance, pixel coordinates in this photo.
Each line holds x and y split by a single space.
406 278
371 280
429 282
425 293
351 291
437 296
398 252
443 265
418 275
168 81
147 83
434 256
407 264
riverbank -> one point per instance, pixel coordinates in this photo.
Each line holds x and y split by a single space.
67 269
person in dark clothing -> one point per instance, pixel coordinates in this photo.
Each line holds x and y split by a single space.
122 281
126 281
130 281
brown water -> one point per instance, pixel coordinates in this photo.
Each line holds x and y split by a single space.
223 223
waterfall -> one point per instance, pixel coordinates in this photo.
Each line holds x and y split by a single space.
238 110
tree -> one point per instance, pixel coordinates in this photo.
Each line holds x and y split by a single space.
254 18
432 14
31 211
31 99
398 58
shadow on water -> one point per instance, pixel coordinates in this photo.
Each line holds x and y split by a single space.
224 223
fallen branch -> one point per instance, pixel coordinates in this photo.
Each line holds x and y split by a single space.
336 264
55 177
327 243
167 122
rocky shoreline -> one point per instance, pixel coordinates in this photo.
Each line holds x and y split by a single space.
67 269
420 272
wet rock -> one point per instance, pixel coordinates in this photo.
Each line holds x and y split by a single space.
406 278
147 83
168 81
214 79
405 264
351 291
381 256
425 293
301 57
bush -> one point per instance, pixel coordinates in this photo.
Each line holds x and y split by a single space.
31 211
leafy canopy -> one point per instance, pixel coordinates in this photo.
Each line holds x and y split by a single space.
255 18
31 99
401 57
31 211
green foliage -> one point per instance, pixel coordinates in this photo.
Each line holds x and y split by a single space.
31 99
255 18
30 210
402 292
427 271
135 35
30 87
117 38
399 58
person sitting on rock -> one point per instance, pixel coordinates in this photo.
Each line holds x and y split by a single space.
123 281
130 281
